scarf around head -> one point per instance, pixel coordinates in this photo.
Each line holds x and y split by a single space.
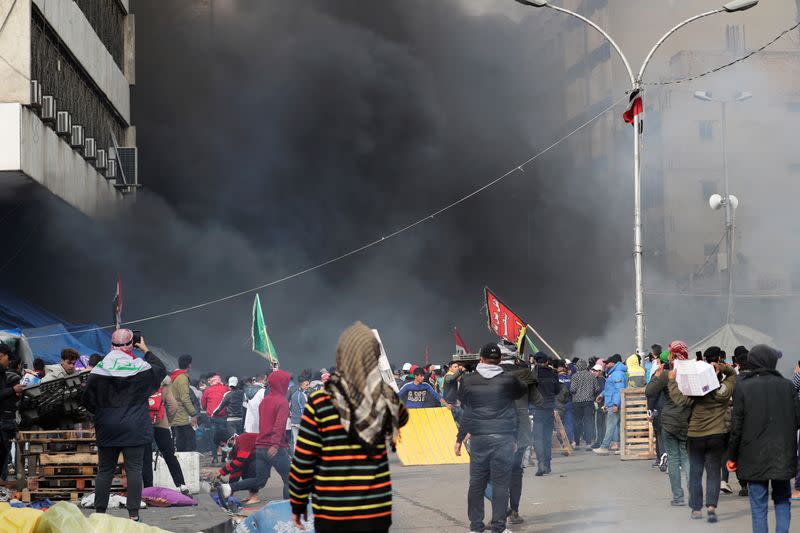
367 406
120 364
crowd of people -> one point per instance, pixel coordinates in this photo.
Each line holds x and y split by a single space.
327 433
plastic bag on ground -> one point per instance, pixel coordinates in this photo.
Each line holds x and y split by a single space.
107 523
275 516
63 517
14 520
115 501
164 497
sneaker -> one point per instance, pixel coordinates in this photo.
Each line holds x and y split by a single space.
712 517
697 515
725 487
184 490
507 531
677 503
617 452
602 451
515 518
744 493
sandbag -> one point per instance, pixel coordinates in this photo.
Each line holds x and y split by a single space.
63 517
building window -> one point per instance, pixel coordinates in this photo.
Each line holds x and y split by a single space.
706 129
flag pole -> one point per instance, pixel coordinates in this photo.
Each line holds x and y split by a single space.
543 341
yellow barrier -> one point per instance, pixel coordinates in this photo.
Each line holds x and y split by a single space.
428 438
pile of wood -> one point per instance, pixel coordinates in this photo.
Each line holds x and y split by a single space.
60 465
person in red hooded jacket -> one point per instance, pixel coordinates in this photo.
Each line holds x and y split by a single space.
211 399
272 447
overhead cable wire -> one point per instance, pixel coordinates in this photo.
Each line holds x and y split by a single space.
518 168
726 65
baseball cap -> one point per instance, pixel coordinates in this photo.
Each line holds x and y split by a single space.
233 381
406 367
598 366
491 351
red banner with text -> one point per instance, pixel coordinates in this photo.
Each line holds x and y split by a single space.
503 320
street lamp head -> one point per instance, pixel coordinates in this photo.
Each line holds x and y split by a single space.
739 5
744 95
703 95
532 3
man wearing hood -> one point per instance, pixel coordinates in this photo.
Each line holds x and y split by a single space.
272 448
763 446
612 400
490 418
637 377
584 389
117 393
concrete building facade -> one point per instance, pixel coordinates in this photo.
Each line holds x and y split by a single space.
66 68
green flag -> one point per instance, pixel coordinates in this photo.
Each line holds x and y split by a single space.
531 344
261 343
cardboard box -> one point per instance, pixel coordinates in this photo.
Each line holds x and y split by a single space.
695 378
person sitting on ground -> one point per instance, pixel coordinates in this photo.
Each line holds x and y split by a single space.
763 449
706 438
240 464
63 369
420 394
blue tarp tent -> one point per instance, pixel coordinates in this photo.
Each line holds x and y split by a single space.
48 334
48 341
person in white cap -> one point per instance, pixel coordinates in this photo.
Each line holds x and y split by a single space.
233 403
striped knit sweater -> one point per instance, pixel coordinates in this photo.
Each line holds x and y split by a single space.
350 487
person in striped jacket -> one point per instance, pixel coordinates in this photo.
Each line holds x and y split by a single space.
341 459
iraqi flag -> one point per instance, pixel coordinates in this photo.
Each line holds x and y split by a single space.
636 107
461 346
116 306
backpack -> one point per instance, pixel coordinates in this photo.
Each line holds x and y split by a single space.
156 402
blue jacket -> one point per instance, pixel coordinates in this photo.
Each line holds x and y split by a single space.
297 403
615 382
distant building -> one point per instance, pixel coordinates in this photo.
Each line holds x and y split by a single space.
65 104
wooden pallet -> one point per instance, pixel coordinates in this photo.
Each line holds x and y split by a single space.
637 439
75 484
29 496
60 435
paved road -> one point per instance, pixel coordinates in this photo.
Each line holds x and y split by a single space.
586 493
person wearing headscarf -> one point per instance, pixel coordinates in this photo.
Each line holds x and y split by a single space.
341 458
763 446
706 437
117 393
674 420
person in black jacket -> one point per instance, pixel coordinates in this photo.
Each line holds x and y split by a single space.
233 403
490 420
513 364
763 446
10 390
117 393
543 418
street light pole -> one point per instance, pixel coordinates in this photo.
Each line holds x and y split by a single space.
636 84
729 203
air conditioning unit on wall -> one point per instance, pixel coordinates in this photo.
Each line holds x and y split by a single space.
101 162
63 124
90 149
48 113
111 171
36 94
76 139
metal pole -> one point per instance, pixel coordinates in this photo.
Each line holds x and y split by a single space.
728 213
637 230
